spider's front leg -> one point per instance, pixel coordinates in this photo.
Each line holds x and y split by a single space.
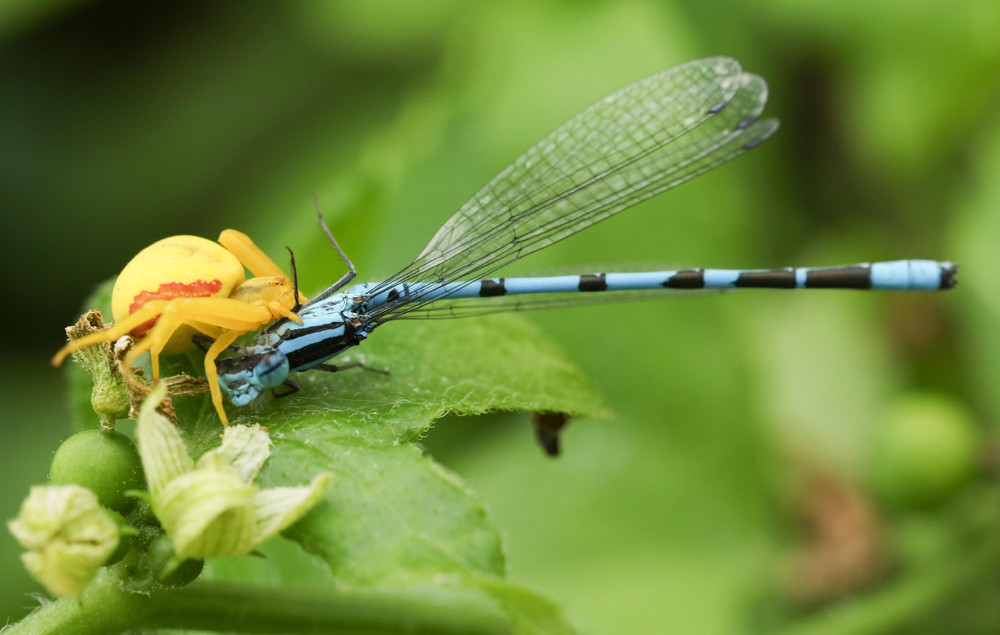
252 257
147 312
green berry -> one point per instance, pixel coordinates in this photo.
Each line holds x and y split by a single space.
106 463
925 450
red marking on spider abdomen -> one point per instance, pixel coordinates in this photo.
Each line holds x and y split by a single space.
169 291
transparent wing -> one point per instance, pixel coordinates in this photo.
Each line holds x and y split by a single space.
643 140
472 307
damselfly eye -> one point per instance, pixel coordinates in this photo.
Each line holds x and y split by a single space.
271 370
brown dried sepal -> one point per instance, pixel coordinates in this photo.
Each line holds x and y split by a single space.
109 361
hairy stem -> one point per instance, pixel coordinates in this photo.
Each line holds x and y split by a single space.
106 606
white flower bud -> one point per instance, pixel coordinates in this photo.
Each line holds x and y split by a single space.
69 536
213 508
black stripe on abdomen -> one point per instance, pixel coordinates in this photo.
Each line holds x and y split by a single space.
839 278
491 288
770 279
596 282
687 279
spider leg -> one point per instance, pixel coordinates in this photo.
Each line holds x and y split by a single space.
271 293
220 317
222 314
232 317
248 253
211 372
156 338
204 342
145 313
276 308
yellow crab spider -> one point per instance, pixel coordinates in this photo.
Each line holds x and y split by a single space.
184 285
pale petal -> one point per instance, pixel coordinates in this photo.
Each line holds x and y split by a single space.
246 448
208 512
161 448
279 507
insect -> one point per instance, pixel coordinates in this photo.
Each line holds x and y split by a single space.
643 140
184 285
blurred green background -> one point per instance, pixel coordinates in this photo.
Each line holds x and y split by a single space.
809 462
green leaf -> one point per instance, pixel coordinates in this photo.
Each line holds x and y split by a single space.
392 515
528 612
466 366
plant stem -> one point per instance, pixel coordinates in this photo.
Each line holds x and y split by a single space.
106 606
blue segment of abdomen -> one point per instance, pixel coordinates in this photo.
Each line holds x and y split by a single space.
916 275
